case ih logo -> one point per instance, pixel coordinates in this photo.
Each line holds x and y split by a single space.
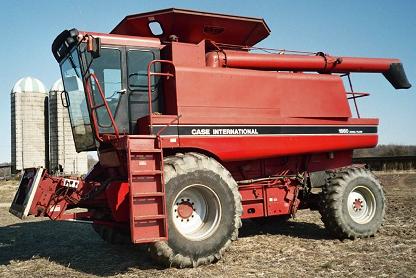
224 131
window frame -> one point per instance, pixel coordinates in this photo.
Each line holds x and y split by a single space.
153 81
101 126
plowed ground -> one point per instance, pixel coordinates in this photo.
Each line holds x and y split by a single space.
299 248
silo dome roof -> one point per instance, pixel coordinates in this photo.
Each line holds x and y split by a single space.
58 86
29 85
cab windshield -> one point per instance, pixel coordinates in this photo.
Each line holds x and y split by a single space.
77 104
107 69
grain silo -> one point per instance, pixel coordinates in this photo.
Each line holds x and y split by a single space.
29 146
63 157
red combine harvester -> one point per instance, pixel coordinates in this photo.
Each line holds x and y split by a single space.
196 129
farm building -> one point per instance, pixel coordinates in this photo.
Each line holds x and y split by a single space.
29 132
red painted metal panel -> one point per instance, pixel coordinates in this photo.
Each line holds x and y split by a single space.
276 166
251 193
277 197
243 119
147 229
142 162
117 194
148 184
124 40
252 201
254 147
259 94
147 206
252 210
194 26
185 54
277 200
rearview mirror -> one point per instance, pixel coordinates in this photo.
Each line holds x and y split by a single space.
94 46
65 99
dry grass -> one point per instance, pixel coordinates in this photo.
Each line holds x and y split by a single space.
300 248
7 190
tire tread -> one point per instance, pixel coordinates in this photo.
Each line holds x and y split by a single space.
181 164
331 196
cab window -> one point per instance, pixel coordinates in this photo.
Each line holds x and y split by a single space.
107 68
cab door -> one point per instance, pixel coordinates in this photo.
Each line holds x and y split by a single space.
138 60
110 73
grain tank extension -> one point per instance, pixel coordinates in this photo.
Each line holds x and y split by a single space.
197 129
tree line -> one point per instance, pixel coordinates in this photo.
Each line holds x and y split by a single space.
387 150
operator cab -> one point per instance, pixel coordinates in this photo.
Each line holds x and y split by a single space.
119 68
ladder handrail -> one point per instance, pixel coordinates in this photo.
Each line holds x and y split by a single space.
149 85
95 107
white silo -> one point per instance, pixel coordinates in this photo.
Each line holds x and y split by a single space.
29 132
63 157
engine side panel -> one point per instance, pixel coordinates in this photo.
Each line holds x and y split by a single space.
224 93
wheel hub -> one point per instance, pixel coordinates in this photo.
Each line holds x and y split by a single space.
185 209
196 212
361 204
358 204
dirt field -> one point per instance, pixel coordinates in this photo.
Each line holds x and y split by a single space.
300 248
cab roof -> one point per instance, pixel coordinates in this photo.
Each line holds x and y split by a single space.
194 26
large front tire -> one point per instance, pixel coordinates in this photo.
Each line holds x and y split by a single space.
352 204
204 209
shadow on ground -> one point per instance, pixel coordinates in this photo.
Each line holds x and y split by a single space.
70 244
79 247
289 228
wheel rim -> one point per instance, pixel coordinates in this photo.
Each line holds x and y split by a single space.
361 204
196 212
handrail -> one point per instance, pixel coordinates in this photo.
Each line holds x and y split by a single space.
354 95
93 108
357 95
149 85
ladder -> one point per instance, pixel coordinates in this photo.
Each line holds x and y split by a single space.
148 217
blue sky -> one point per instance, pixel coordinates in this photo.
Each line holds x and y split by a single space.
349 28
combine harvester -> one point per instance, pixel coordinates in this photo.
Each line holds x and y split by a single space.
196 129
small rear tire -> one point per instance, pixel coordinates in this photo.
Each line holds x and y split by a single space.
352 203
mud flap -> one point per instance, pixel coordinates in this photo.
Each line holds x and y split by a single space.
28 186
